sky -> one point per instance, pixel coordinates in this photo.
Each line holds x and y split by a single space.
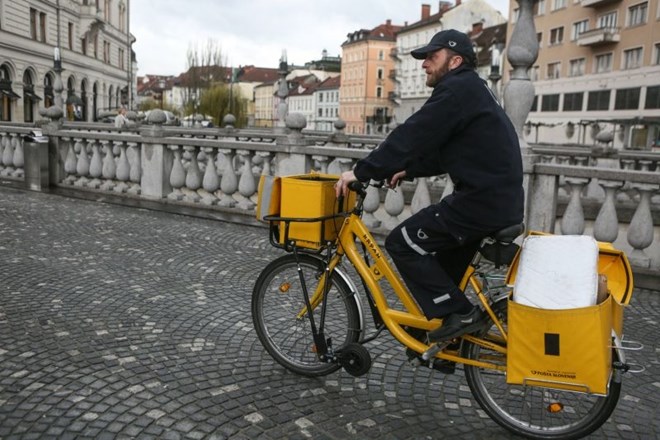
255 32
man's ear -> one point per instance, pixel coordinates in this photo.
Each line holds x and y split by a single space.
456 61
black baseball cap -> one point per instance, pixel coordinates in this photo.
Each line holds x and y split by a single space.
450 39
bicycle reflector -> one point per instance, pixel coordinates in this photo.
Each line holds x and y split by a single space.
284 287
555 407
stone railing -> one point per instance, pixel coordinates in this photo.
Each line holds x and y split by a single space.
217 170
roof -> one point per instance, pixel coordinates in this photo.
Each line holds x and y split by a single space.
330 83
384 32
485 39
257 74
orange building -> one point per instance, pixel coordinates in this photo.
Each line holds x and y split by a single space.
366 81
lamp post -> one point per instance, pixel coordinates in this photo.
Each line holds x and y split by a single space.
161 85
58 86
495 59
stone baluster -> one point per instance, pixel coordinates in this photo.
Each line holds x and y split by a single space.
18 158
266 158
606 226
370 206
339 165
572 223
229 181
70 162
323 163
95 166
247 185
640 231
4 137
177 174
211 180
8 157
394 206
627 193
109 170
123 169
82 164
193 176
135 163
422 197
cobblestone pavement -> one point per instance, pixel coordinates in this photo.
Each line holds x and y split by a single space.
119 322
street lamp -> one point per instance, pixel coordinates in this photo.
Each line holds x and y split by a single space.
495 59
161 85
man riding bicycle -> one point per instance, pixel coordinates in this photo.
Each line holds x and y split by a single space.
462 131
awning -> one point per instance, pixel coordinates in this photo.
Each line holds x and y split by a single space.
10 93
73 100
33 96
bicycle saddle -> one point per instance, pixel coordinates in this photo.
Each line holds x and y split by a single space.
508 234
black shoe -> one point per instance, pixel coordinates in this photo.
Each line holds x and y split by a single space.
458 324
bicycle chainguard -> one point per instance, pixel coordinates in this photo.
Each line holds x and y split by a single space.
435 349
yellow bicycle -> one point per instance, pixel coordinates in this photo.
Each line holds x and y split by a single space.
308 316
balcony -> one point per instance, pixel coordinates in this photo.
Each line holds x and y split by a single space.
394 53
596 3
597 37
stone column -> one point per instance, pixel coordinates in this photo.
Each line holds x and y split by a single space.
156 158
522 51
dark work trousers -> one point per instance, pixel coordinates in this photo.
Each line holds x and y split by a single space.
431 262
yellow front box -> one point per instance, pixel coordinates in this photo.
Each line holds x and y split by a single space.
311 196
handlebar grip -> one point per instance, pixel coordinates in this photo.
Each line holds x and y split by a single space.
358 187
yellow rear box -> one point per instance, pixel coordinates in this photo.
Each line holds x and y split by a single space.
566 349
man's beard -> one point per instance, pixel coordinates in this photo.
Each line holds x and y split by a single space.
433 78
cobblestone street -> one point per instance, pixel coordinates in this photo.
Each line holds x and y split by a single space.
119 322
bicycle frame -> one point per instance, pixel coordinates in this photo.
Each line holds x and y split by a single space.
353 228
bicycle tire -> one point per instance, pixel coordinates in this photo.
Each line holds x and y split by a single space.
277 299
525 410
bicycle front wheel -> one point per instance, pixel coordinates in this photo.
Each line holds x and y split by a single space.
534 412
277 300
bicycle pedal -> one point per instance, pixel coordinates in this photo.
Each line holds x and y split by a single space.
435 349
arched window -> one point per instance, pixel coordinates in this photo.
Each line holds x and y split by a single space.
73 102
7 95
30 99
95 104
122 17
49 95
83 98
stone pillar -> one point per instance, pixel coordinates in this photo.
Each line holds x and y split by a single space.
293 162
156 158
522 51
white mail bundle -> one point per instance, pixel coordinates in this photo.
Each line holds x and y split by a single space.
557 272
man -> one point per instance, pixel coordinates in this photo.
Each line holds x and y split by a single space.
461 130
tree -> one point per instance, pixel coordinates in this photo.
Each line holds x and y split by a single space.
221 100
205 70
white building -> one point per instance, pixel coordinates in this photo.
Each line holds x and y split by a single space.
95 46
411 89
326 99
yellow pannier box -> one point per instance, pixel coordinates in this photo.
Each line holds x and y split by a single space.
569 348
300 198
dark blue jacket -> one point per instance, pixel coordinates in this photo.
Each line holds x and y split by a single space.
461 130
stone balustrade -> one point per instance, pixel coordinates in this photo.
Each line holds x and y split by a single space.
615 199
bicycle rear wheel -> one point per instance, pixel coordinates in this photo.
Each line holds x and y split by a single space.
534 412
277 299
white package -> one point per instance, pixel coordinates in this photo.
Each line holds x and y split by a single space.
557 272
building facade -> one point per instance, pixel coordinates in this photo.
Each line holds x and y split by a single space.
411 90
597 76
93 41
366 80
326 100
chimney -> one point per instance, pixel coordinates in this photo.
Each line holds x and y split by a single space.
444 6
458 2
426 11
388 22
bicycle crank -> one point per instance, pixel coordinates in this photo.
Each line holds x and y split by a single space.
354 358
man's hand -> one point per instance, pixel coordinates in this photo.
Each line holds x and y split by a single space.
341 187
396 179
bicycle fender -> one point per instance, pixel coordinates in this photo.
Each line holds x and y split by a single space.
354 293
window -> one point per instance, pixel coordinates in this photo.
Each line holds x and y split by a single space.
539 7
578 28
554 70
599 100
573 102
106 52
539 37
607 20
83 45
106 10
535 104
381 55
379 73
603 63
550 103
576 67
632 58
379 92
121 58
534 73
556 35
627 99
33 24
96 46
637 14
70 36
656 54
42 26
558 4
122 17
652 97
